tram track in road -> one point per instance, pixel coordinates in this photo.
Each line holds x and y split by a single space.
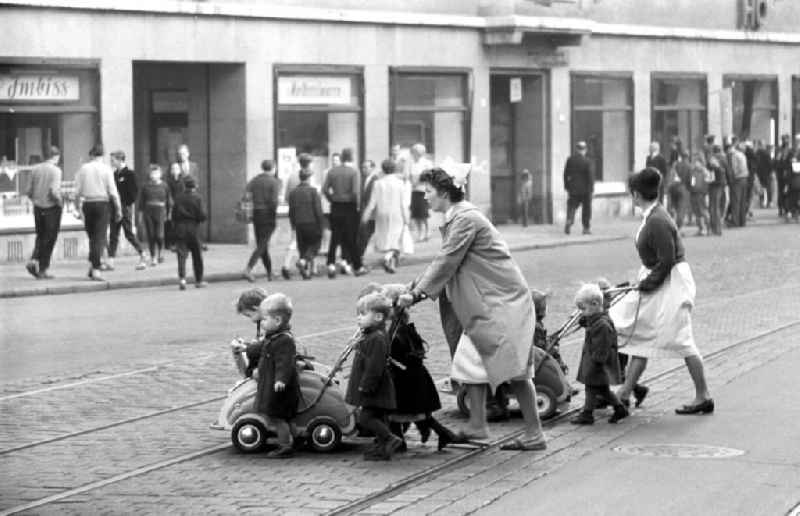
390 490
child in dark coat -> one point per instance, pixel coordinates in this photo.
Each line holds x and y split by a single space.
278 390
187 214
415 392
370 386
306 219
599 365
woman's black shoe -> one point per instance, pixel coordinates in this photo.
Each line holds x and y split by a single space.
639 394
705 407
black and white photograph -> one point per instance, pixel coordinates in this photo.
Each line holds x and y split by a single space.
400 257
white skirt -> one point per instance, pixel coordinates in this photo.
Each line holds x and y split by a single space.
658 324
468 368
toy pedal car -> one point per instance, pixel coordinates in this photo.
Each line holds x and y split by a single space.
323 416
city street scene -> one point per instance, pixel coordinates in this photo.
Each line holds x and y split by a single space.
403 257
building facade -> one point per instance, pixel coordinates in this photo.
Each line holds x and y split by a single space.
507 85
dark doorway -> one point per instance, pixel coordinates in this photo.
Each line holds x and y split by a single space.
518 143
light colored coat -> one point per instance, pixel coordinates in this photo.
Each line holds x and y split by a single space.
486 291
387 201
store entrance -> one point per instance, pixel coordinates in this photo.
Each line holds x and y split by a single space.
202 106
518 143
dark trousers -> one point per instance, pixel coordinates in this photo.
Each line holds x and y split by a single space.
374 420
344 233
792 200
126 224
678 203
595 393
47 222
153 218
263 227
716 203
700 210
309 238
95 221
782 196
187 242
764 181
524 211
739 202
751 183
585 203
365 232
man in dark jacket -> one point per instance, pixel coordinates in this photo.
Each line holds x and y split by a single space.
579 184
783 171
125 178
263 192
342 188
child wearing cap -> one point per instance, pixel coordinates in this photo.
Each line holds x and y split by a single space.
187 214
306 218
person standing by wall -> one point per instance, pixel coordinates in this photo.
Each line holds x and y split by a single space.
187 213
419 208
342 188
525 196
793 194
658 162
579 184
783 171
125 179
263 191
764 172
44 192
155 202
740 173
718 165
94 189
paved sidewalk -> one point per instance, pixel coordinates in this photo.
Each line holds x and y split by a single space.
226 262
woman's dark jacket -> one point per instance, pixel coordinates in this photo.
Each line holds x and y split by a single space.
599 360
660 248
414 388
275 356
370 383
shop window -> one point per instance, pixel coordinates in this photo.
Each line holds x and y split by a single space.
755 108
431 109
602 116
678 112
318 113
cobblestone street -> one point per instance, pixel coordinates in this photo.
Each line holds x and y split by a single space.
128 431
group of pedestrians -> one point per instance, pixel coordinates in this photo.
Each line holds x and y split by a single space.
349 209
718 184
109 200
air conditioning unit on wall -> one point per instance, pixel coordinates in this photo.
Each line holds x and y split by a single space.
752 14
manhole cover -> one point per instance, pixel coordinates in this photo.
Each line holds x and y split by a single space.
680 451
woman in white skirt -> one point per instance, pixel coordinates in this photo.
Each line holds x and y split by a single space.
656 320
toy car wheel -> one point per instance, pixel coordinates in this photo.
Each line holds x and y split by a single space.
249 435
462 401
323 435
546 401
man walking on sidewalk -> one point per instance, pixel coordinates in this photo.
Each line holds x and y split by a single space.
125 180
739 201
579 184
342 188
44 192
94 189
263 191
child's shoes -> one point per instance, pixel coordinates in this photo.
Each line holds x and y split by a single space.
582 419
620 412
282 452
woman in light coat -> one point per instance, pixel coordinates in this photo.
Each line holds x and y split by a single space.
391 218
483 295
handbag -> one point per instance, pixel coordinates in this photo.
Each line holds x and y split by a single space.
244 211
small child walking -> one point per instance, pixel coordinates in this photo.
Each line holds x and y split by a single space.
305 217
599 367
278 391
155 202
187 213
370 386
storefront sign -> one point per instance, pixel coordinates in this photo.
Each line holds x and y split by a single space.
44 87
515 89
170 101
550 59
314 90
